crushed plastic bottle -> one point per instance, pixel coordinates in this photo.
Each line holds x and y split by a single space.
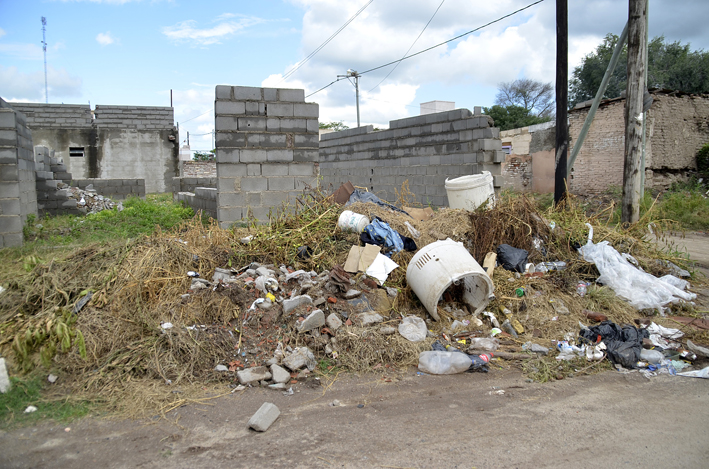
651 356
581 289
444 363
549 266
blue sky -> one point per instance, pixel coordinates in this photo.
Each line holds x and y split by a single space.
134 52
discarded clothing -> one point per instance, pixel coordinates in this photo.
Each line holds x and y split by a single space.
379 233
363 196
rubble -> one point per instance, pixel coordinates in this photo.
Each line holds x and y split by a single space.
264 417
88 200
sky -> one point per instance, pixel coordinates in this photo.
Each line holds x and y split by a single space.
135 52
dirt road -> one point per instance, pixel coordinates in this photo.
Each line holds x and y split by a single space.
610 420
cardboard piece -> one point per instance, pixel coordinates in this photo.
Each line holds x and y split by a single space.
343 193
419 214
489 263
360 258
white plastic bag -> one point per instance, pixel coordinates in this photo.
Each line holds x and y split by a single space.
413 328
444 363
640 289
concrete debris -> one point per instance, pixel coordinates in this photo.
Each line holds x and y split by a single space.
291 304
334 322
279 374
264 417
89 201
52 378
367 319
252 375
222 275
387 330
5 384
352 293
221 368
301 357
313 321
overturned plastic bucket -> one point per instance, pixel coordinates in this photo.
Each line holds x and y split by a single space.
351 221
439 265
470 192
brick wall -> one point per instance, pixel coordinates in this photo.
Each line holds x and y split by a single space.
528 148
135 117
425 150
18 197
267 149
199 169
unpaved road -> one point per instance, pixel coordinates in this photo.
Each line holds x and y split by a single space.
604 420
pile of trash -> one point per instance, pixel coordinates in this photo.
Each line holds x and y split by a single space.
366 286
89 201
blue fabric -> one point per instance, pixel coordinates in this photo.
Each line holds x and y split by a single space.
383 235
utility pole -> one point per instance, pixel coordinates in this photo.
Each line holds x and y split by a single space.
630 209
562 99
44 47
353 73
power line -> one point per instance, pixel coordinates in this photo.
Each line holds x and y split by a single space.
192 118
326 86
455 38
302 62
412 45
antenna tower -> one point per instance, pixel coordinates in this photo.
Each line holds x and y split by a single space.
44 47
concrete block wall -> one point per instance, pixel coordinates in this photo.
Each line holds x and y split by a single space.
529 165
55 116
203 198
18 198
188 184
116 189
134 117
267 149
425 150
51 199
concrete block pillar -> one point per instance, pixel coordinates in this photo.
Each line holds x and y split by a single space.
267 150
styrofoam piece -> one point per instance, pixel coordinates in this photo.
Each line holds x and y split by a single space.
351 221
469 192
438 265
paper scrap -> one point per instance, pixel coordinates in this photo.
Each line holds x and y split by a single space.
360 258
381 267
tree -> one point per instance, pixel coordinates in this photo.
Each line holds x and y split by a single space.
670 65
203 155
535 97
513 117
333 125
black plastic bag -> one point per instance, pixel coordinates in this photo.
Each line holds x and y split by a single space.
512 258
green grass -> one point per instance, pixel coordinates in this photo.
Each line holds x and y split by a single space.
138 217
26 392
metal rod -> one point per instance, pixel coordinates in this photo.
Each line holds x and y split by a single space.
44 47
599 96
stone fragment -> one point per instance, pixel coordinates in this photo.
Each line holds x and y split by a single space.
221 275
319 301
367 319
313 321
265 271
280 375
252 375
292 303
301 357
5 384
280 386
264 417
221 368
334 322
352 293
387 330
52 378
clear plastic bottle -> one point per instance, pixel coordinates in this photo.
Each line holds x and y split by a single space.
444 363
651 356
547 266
581 289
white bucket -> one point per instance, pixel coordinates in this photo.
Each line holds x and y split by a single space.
350 221
438 265
470 192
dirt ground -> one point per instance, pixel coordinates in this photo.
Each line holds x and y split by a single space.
498 419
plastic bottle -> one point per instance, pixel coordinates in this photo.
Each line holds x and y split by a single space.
484 343
507 327
547 266
651 356
480 362
444 363
581 289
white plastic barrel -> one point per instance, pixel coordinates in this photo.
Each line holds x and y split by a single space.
469 192
438 265
350 221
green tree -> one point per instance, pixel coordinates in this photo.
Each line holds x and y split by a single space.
671 65
333 125
203 155
513 117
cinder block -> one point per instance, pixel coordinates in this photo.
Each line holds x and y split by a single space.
253 199
8 138
223 92
305 155
9 190
234 170
229 107
274 169
274 198
228 184
293 125
230 199
228 215
7 119
11 223
313 125
280 110
291 95
253 169
280 156
302 181
231 140
9 207
270 94
273 141
245 93
253 156
490 144
306 141
251 124
254 184
273 125
227 155
227 123
253 140
306 110
281 184
301 169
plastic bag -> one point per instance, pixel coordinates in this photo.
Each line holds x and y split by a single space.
413 328
640 289
444 363
487 344
512 258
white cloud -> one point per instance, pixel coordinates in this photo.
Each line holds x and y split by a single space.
186 31
19 86
194 113
105 38
2 32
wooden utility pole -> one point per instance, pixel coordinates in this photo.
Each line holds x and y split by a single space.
562 99
635 90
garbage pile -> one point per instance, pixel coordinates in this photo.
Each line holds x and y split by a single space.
359 287
89 201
